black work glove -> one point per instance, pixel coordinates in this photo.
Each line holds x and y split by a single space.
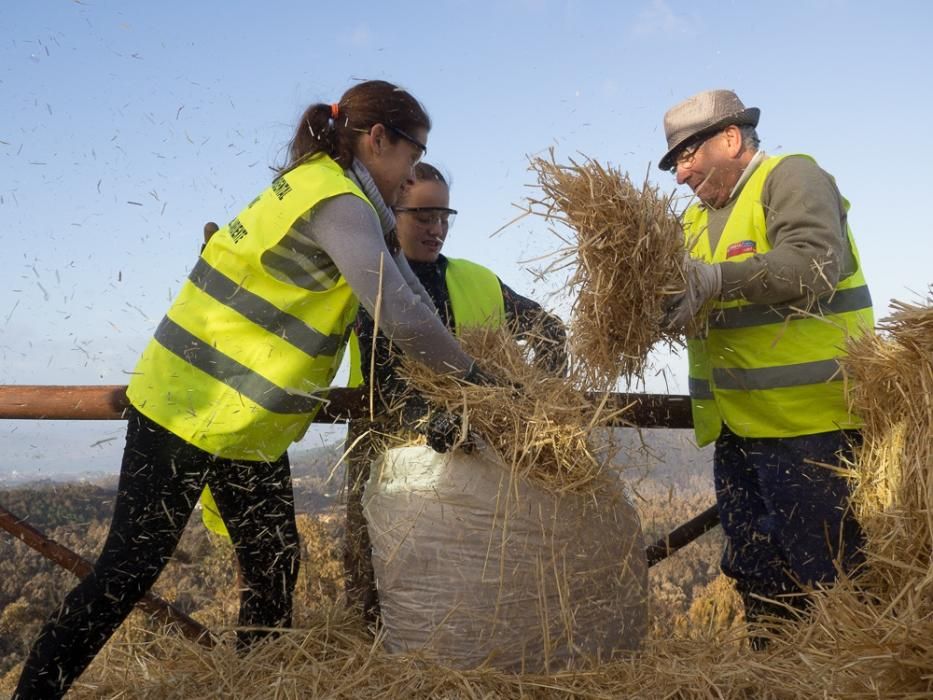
478 377
442 431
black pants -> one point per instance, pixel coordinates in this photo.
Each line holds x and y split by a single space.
161 478
786 516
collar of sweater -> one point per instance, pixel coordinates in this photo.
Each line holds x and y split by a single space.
360 175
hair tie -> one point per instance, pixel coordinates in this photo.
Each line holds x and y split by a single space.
334 111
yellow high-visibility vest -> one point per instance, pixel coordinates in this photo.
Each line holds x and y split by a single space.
475 295
476 301
238 365
770 371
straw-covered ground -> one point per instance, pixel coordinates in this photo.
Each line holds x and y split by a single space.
870 638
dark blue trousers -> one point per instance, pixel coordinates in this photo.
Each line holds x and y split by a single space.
787 519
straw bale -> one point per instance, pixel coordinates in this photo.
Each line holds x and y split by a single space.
893 386
873 636
626 250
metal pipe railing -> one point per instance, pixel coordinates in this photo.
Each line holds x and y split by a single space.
107 402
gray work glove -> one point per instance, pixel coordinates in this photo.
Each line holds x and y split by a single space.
704 282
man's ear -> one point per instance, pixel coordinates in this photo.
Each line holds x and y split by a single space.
733 141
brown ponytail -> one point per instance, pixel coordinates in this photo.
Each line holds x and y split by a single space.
362 106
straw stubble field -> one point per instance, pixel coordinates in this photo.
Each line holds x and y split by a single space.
330 654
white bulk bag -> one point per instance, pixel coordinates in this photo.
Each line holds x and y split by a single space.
473 566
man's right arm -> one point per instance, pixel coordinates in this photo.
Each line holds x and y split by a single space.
806 227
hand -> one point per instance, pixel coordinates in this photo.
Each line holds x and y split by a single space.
704 282
442 431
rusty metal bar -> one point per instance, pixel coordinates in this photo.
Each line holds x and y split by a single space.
81 567
107 402
652 410
63 402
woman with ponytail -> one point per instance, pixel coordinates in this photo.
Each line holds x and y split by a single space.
238 367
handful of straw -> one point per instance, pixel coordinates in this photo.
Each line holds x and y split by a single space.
540 429
627 252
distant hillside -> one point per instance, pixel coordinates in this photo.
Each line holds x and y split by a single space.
667 458
52 504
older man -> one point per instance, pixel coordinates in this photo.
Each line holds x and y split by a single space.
773 260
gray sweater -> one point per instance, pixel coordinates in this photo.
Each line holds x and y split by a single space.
351 234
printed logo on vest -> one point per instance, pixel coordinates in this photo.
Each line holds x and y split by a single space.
281 188
237 230
741 248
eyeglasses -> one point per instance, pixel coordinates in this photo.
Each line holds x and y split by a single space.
422 148
411 139
430 216
689 152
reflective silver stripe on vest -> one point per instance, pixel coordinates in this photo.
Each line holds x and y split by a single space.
700 389
289 328
223 368
298 260
762 314
777 377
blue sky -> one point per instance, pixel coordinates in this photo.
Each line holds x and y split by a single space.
126 125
